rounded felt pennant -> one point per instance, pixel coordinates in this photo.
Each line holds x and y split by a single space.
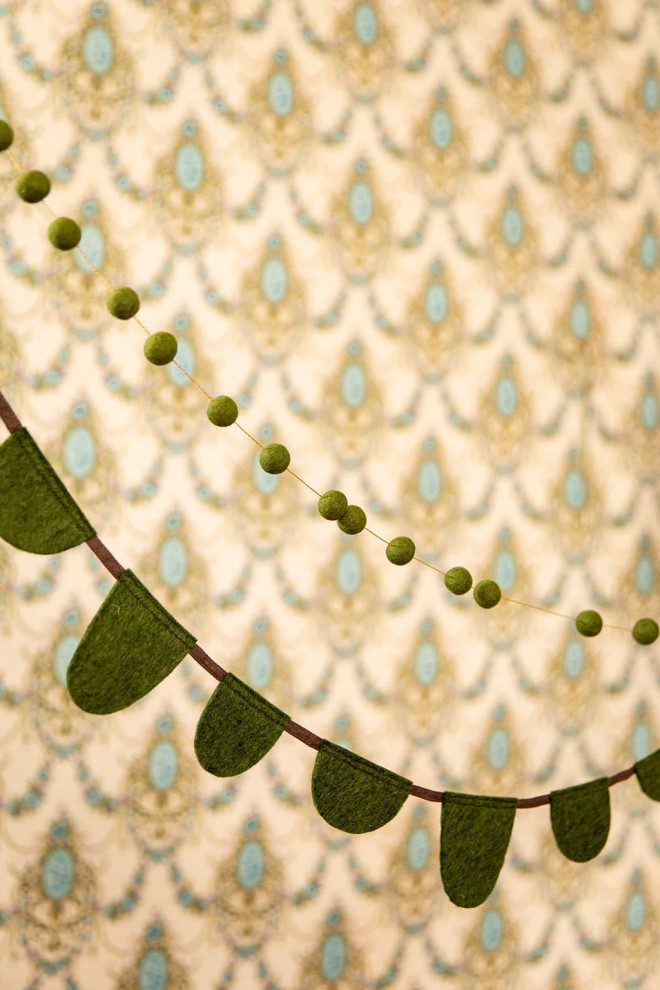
354 794
37 513
648 775
474 837
580 819
236 729
129 647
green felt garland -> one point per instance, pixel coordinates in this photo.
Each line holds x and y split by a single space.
474 837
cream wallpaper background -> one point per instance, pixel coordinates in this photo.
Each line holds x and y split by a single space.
418 243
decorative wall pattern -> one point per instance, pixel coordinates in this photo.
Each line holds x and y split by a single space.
419 245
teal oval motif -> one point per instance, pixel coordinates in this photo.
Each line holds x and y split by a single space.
498 748
505 570
429 481
57 874
436 303
333 956
186 358
515 61
441 128
636 911
348 572
92 242
492 930
274 280
64 651
153 971
580 319
648 250
259 664
418 847
574 659
189 167
575 489
264 482
641 740
644 574
651 93
512 226
584 6
280 94
361 202
582 156
365 23
163 765
79 451
506 396
650 412
353 385
173 561
98 50
426 662
250 864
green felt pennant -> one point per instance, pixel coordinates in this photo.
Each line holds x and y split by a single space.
37 513
648 775
580 819
474 837
354 794
237 728
129 647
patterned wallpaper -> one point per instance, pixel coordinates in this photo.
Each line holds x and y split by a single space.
418 243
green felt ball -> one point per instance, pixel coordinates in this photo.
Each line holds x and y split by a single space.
275 458
161 347
222 411
458 580
32 186
400 550
589 623
64 234
353 521
123 303
333 504
487 593
645 631
6 135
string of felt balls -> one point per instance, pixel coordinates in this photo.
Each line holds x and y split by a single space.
160 348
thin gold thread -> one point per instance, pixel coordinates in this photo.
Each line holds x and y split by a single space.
515 601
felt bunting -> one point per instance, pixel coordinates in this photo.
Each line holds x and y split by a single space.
37 513
648 775
474 836
237 728
352 793
580 819
129 647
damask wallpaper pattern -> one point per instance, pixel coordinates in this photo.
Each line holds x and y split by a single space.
418 243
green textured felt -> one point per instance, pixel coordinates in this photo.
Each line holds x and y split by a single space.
353 520
161 347
222 411
400 550
580 819
589 623
645 631
6 135
237 728
274 458
487 593
123 303
458 580
474 837
37 513
354 794
648 775
32 186
333 504
129 647
64 234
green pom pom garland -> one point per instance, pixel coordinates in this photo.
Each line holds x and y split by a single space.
6 135
64 234
123 303
589 623
222 411
400 550
458 580
645 631
160 348
487 593
332 505
275 458
32 186
353 521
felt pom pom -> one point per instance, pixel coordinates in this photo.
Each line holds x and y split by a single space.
275 458
353 521
222 411
160 348
64 234
458 580
333 504
6 135
645 631
123 303
487 593
400 550
589 623
32 186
